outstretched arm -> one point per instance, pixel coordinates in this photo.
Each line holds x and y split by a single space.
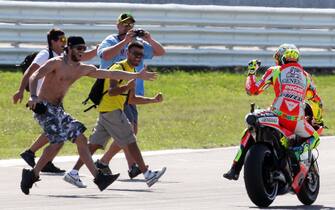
91 71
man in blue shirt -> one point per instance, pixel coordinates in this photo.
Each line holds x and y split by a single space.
114 49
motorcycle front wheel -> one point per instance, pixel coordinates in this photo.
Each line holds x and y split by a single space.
258 175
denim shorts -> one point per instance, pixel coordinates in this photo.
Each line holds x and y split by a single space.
131 112
58 125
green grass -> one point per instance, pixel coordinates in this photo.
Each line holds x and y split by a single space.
200 110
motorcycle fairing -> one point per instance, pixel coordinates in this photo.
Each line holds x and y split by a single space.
273 122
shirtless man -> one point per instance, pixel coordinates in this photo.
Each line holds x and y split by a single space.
60 73
56 40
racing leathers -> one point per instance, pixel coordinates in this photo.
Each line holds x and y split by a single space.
290 83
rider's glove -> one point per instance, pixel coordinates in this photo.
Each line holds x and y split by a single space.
253 65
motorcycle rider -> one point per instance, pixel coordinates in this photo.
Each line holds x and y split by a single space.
291 85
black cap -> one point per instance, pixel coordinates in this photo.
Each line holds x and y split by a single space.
75 40
124 17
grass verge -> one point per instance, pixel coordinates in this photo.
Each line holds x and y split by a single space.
200 110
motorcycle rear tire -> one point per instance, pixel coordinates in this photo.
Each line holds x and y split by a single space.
257 167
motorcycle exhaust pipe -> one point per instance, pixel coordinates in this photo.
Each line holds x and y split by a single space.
251 119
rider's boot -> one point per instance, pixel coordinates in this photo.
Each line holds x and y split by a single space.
246 143
234 172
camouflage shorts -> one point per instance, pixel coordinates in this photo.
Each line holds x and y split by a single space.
58 125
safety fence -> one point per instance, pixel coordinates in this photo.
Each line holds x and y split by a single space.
193 35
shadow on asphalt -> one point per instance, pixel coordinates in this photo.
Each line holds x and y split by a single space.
131 190
131 180
302 207
92 196
142 180
52 174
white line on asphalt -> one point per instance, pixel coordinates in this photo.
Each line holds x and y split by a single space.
20 162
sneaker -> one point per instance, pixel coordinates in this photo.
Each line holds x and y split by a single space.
29 157
104 180
51 168
28 179
103 168
134 171
232 174
74 179
154 176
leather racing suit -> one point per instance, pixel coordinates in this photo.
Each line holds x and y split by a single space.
290 83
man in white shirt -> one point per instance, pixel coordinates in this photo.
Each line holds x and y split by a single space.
56 43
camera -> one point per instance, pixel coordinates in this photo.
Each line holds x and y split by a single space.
139 32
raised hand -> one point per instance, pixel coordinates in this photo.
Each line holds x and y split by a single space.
253 66
129 36
147 75
147 36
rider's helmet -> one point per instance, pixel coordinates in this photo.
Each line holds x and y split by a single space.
279 54
291 55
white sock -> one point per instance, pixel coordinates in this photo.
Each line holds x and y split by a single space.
146 174
74 172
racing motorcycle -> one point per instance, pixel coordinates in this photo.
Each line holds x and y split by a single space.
270 165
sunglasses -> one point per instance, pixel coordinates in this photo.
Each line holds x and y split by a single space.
137 54
129 25
62 39
79 48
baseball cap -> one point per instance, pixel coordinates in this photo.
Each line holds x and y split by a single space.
124 17
75 40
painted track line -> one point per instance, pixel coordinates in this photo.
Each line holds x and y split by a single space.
73 158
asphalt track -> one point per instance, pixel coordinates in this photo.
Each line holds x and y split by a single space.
193 180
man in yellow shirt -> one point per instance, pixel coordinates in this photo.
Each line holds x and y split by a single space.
112 121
